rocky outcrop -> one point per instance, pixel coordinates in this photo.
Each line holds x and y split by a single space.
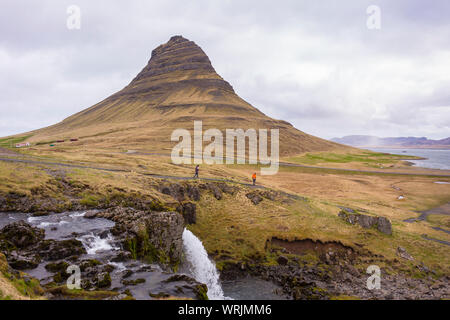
191 286
324 281
257 196
308 269
381 223
150 236
21 235
154 236
189 212
29 286
254 197
52 250
184 191
24 246
71 196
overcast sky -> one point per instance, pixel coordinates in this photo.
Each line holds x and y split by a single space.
315 64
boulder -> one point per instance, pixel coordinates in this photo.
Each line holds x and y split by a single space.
122 256
282 260
215 190
22 234
184 286
90 214
384 225
226 188
56 250
103 280
21 261
381 223
366 221
254 197
57 266
402 253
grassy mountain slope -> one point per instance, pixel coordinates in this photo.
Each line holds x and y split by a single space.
178 85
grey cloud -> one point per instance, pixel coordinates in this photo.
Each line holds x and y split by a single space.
313 63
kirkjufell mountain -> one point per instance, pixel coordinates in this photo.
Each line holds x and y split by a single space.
176 87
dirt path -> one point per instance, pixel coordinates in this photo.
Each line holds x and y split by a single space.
123 170
288 164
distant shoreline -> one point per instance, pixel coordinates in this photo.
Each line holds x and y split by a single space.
431 158
443 148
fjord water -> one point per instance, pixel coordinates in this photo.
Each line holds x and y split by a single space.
435 158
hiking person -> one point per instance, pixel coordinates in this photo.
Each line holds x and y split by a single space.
196 171
254 178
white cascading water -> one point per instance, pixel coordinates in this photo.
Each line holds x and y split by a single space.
94 243
202 268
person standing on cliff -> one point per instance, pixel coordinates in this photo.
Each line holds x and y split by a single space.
196 171
254 178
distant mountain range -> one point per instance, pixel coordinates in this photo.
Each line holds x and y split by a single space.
403 142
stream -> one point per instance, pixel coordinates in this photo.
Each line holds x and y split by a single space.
101 245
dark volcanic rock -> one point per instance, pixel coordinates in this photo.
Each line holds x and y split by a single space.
216 191
254 197
122 256
282 260
381 223
23 261
384 225
156 236
25 247
103 280
21 234
55 250
186 286
193 192
189 212
177 191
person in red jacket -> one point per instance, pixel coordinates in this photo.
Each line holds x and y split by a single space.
254 178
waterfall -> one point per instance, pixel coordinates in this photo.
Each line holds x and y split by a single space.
202 268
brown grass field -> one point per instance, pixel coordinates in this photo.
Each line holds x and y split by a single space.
233 229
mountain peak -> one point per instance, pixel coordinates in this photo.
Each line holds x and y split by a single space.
177 86
179 59
173 41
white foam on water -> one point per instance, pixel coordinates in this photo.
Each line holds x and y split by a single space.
93 243
47 224
441 182
202 268
77 214
32 219
119 265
